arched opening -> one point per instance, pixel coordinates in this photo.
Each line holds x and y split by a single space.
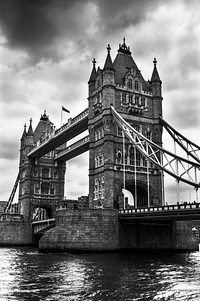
42 213
139 193
129 197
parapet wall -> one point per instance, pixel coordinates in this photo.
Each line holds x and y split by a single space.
82 230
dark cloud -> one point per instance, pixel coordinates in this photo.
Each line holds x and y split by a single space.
32 25
35 26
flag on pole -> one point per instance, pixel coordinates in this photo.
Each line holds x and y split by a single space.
64 109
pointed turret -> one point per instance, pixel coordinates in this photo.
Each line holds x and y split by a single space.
23 138
108 63
155 76
156 84
30 129
93 73
92 79
30 134
108 69
24 133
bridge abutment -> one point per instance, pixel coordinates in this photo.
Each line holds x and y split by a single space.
101 230
82 230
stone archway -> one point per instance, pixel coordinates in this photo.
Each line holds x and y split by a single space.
42 213
141 193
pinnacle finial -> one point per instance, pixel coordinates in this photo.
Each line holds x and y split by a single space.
24 126
94 62
124 40
31 120
108 48
155 61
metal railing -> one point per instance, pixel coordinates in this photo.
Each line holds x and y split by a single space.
185 206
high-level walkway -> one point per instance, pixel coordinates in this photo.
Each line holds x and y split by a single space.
71 129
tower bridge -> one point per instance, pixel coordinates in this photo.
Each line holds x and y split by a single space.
125 143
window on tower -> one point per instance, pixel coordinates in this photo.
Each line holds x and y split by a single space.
45 188
130 83
143 101
136 85
45 172
123 96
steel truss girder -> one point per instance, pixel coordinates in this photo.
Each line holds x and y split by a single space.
180 168
188 146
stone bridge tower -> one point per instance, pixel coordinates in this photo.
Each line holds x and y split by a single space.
121 84
41 183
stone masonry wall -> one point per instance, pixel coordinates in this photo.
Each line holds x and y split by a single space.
15 233
79 230
184 239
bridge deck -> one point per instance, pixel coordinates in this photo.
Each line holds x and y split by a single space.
169 212
39 227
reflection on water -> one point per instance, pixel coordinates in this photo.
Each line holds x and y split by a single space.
27 275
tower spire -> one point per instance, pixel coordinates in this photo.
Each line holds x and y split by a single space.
108 63
93 73
30 129
155 76
24 133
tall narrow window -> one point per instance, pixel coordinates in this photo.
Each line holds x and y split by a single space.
130 83
136 85
119 131
130 98
143 102
123 97
45 172
45 188
131 155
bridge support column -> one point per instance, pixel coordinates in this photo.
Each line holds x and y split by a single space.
183 238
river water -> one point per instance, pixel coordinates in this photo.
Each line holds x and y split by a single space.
26 274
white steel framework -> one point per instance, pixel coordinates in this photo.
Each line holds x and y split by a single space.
180 168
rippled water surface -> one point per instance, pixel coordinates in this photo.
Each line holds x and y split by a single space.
27 275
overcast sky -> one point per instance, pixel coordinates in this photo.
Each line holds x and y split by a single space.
46 49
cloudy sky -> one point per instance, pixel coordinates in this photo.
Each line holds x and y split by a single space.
46 49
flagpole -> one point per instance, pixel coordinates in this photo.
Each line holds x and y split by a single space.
63 109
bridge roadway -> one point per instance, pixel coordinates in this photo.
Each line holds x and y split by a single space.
71 129
186 211
41 226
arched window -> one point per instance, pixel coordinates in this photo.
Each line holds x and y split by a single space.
130 83
119 157
136 85
143 102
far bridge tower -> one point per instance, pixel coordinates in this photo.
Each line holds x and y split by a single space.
41 183
113 167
